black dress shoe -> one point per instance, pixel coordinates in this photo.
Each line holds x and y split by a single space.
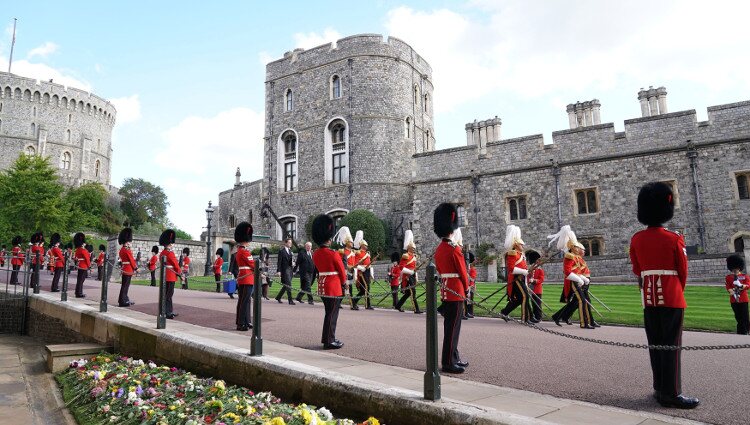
231 296
81 296
596 325
292 303
243 328
54 290
131 303
587 327
470 316
278 301
568 322
418 312
171 316
123 305
311 303
679 402
369 308
534 320
464 317
452 369
355 307
462 364
335 345
504 317
557 321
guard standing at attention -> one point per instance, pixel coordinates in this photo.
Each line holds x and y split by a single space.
152 263
16 260
57 260
515 264
185 267
394 276
344 238
408 266
362 270
83 261
331 278
100 263
659 260
128 264
243 234
536 280
737 283
218 263
37 256
172 272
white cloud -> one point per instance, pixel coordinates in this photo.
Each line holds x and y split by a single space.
128 109
43 51
44 72
313 39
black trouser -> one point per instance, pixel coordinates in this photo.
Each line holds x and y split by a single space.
519 297
217 278
576 301
741 315
123 300
585 290
56 279
153 277
664 327
265 287
243 304
329 321
469 306
409 292
99 274
363 287
14 275
305 285
394 294
82 274
536 305
453 311
168 311
34 275
185 281
286 287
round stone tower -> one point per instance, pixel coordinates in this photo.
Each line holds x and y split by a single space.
71 127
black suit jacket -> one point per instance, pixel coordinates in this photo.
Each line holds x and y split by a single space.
285 266
305 264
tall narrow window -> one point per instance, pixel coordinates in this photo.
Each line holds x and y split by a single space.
65 161
587 201
290 161
461 215
426 100
33 130
289 228
517 208
407 127
338 151
67 135
97 164
289 100
335 87
743 188
739 244
232 221
416 94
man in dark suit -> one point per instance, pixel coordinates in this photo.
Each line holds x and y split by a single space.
285 270
307 272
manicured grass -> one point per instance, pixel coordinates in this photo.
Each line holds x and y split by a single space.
708 306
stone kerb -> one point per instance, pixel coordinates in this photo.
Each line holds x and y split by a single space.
143 245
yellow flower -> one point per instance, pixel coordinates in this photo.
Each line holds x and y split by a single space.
307 416
372 421
276 421
172 407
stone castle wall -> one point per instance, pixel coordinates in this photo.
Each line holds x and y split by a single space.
49 119
143 245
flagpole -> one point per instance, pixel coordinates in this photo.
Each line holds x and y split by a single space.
12 44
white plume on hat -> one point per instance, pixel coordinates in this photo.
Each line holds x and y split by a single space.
343 236
565 239
358 238
457 237
409 239
513 236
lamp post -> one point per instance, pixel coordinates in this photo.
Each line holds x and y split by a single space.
209 216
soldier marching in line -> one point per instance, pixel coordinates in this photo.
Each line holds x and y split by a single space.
659 261
536 280
172 266
127 264
572 294
100 263
37 256
344 238
362 271
50 259
218 263
152 262
16 260
331 277
515 263
185 263
58 261
408 265
83 262
243 234
586 275
737 284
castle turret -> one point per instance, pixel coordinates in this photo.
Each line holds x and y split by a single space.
653 101
584 114
482 132
237 176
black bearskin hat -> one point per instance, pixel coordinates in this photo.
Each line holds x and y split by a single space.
68 245
220 252
243 232
532 256
471 257
155 249
323 229
186 251
89 248
395 257
126 235
17 240
167 237
102 248
79 239
655 204
54 239
445 220
34 238
735 261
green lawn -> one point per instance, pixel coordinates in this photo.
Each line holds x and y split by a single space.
708 306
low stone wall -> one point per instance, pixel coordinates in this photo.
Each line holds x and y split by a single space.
143 245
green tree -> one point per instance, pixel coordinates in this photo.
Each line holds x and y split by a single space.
31 198
181 234
143 202
87 205
371 225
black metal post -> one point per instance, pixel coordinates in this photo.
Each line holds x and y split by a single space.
105 285
64 293
35 276
432 374
256 343
475 182
692 154
208 249
26 274
161 319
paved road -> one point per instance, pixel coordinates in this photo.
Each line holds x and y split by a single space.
505 354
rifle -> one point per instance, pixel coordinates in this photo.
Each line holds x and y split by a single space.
138 260
737 290
600 301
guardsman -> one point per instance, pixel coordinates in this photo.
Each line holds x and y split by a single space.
58 261
218 263
458 240
536 280
586 275
454 285
243 234
172 266
50 260
572 294
100 263
128 264
331 278
152 262
16 260
737 284
37 256
3 254
659 260
344 239
83 262
394 276
408 266
362 270
515 264
185 267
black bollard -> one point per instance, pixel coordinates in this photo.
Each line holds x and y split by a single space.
256 343
161 319
26 274
105 285
432 374
64 292
35 274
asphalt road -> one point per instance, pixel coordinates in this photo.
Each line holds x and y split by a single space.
505 354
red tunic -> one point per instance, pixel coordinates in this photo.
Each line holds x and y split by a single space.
331 272
538 277
100 259
394 275
744 280
83 258
186 265
472 276
152 262
57 254
171 265
450 264
347 255
513 259
408 261
128 262
17 256
246 266
570 265
37 249
218 262
660 259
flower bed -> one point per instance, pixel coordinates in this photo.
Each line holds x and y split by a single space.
114 389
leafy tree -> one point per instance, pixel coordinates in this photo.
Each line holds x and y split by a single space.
143 202
181 234
87 205
31 198
113 218
371 225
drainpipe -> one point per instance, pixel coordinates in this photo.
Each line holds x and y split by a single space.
350 188
556 173
692 153
475 183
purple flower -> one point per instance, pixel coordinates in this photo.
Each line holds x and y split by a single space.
120 393
139 390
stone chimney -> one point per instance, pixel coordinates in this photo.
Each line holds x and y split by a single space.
237 176
653 101
480 133
584 114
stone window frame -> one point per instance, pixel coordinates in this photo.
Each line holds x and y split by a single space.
408 127
232 221
34 130
597 198
29 150
335 78
66 158
416 96
97 168
426 141
463 218
672 183
288 100
517 197
67 135
737 235
283 161
745 175
425 102
287 219
342 151
337 214
589 241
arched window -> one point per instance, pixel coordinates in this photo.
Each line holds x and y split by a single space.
33 129
407 127
232 221
65 161
337 215
289 160
739 244
426 100
426 146
335 87
97 164
289 100
67 135
30 150
337 152
416 94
